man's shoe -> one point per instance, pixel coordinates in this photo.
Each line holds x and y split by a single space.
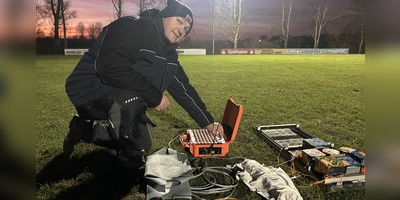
73 137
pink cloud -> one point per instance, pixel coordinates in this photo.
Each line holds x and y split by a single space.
259 15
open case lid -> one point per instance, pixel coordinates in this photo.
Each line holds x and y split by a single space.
231 119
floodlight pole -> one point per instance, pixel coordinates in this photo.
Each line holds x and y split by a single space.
213 35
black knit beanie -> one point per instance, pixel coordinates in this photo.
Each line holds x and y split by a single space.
176 8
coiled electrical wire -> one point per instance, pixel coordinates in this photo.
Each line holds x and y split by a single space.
208 174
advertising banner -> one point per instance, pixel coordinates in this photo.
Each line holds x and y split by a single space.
237 51
273 51
75 51
319 51
191 51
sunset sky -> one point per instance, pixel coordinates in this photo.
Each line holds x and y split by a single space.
259 15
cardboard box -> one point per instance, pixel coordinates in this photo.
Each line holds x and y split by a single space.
309 156
352 166
359 156
329 166
315 143
330 151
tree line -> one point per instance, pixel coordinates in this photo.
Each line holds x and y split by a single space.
59 12
345 28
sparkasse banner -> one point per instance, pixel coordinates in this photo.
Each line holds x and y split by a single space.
236 51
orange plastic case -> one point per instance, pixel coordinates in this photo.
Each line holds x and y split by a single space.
201 143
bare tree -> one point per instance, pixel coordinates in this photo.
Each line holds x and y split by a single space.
80 28
94 30
147 4
228 19
54 7
357 13
360 46
319 21
60 12
118 6
337 37
41 16
285 31
66 14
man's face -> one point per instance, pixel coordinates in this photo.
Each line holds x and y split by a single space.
175 28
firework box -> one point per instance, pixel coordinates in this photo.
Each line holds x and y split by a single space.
352 166
315 143
329 166
308 156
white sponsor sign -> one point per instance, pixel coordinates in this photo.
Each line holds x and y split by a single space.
75 51
191 51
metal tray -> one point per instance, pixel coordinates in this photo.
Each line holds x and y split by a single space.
288 140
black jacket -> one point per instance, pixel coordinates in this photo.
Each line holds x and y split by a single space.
134 54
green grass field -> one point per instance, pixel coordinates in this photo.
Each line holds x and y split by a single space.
324 94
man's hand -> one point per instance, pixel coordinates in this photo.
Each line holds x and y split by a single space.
164 103
216 129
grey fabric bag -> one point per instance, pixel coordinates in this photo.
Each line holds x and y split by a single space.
168 173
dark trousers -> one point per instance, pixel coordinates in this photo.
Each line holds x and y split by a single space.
125 130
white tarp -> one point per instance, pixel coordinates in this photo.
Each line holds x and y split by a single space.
270 182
